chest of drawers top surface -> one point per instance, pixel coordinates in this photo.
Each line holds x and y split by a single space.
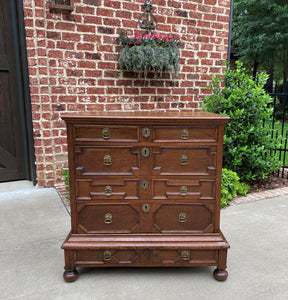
164 118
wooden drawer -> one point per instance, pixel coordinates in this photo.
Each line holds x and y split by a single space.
107 189
95 133
107 218
183 256
184 189
185 134
107 160
185 217
106 256
191 160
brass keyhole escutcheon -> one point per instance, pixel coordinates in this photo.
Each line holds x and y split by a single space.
106 133
184 159
146 208
182 217
146 132
184 134
107 160
107 255
183 190
185 255
145 152
108 218
108 190
144 184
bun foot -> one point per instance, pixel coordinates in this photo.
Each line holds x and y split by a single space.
220 275
70 276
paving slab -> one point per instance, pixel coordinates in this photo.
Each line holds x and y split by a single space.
34 223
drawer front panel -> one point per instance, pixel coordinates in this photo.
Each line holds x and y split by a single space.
175 189
192 217
184 161
107 256
107 160
106 133
185 134
107 218
107 189
183 256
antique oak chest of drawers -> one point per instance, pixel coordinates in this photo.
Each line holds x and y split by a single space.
145 190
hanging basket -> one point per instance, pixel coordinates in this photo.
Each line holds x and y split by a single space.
149 53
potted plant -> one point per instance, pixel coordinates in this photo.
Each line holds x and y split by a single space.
149 53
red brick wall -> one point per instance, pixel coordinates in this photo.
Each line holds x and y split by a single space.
73 64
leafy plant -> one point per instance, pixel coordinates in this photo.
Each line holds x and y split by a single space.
143 54
65 173
249 149
231 187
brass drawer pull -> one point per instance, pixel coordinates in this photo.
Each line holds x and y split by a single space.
183 160
107 255
185 255
182 217
146 132
106 133
108 218
144 184
145 152
146 208
183 190
107 160
184 134
108 190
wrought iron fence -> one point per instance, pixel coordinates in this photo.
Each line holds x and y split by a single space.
280 124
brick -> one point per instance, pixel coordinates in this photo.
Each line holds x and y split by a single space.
65 26
86 28
92 2
85 10
105 12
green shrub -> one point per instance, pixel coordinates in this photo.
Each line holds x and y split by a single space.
249 149
231 187
65 173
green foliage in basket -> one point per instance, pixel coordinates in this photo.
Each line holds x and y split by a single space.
149 53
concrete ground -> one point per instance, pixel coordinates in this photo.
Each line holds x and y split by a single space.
34 223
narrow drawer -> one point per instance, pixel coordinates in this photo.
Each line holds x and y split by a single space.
107 218
102 160
184 160
107 189
107 256
192 189
95 133
184 256
191 134
184 217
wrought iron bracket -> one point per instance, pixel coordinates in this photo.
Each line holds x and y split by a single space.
150 22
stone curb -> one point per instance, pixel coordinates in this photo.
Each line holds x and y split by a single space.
259 195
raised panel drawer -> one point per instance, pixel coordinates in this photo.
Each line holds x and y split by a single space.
95 133
107 160
185 217
107 256
190 134
107 218
191 160
184 189
107 189
184 256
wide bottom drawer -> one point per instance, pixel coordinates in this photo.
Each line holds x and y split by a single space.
148 257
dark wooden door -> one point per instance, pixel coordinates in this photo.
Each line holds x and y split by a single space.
12 131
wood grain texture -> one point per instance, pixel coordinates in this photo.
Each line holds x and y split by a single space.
145 208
